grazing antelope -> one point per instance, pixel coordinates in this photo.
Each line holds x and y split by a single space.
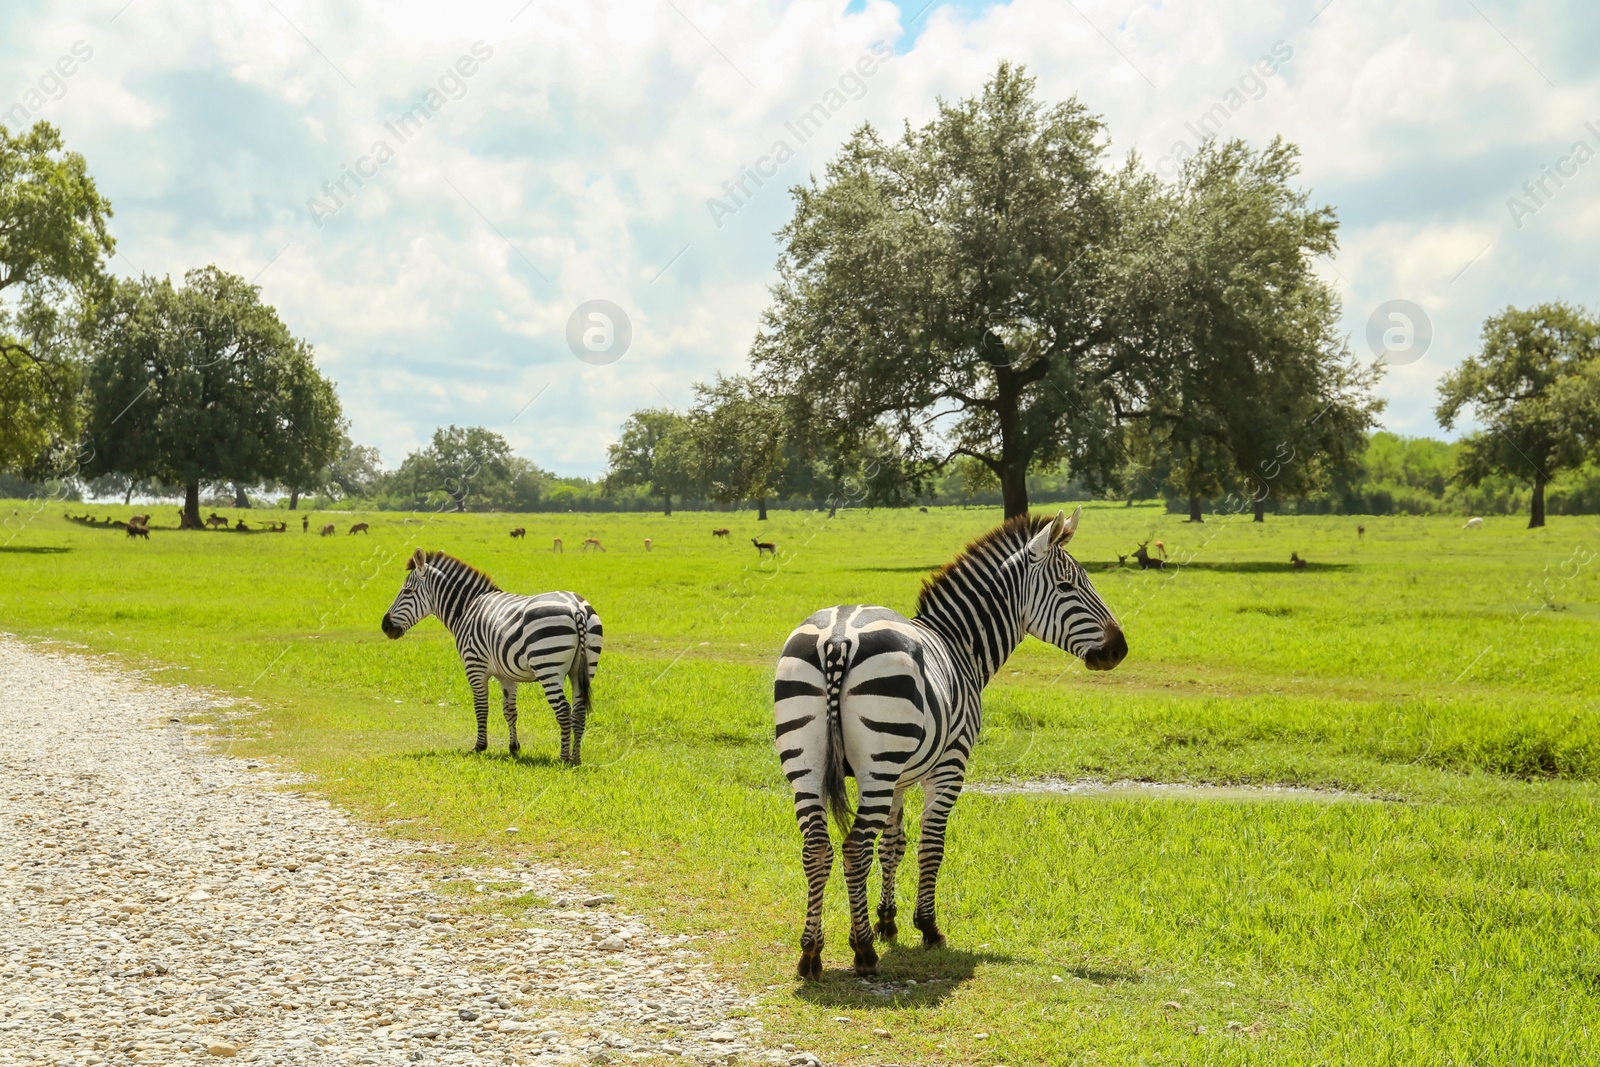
592 542
519 532
763 547
359 527
305 524
555 546
1473 524
546 638
1296 562
1146 562
135 530
647 544
862 691
723 532
923 510
216 520
329 530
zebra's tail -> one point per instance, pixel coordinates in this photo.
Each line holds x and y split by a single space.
835 654
580 663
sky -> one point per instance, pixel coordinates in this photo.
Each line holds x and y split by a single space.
437 195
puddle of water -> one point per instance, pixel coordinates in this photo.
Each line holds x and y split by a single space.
1129 790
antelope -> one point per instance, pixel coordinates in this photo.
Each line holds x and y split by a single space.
1361 531
216 520
1146 563
240 525
923 510
329 530
555 546
1473 524
519 532
135 530
140 520
1295 561
592 542
723 532
359 527
647 544
763 547
277 527
305 524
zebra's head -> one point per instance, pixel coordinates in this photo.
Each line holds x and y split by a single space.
1061 606
414 602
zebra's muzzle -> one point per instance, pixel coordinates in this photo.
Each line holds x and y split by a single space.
394 632
1112 651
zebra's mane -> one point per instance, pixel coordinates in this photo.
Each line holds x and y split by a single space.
997 543
451 564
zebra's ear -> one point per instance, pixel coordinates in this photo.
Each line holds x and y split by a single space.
1039 544
1066 527
418 561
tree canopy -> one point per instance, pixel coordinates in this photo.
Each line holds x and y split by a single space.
1535 389
656 451
53 248
204 383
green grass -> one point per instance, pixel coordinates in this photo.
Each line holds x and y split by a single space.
1450 675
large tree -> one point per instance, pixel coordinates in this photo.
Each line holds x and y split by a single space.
738 433
1535 389
966 288
462 463
656 450
53 247
204 383
1260 395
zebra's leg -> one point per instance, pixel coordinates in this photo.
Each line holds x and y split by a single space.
871 814
937 801
480 707
891 847
508 689
558 704
580 716
817 857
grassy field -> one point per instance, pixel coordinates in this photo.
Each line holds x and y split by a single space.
1447 682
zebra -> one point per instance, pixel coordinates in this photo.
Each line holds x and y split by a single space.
542 638
862 691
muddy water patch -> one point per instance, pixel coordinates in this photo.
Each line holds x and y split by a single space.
1132 790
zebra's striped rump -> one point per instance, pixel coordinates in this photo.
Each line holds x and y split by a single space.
543 638
864 692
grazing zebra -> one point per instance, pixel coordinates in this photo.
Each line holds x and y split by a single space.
864 692
542 638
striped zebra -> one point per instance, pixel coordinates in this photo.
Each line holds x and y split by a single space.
541 638
865 692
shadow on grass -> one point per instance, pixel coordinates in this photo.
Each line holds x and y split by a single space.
35 550
456 755
937 972
1256 567
927 568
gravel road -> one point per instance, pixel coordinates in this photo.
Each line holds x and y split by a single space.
160 903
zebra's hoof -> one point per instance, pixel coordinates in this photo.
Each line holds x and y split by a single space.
514 749
931 937
887 929
811 966
480 746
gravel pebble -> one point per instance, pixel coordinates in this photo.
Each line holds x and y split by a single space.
161 901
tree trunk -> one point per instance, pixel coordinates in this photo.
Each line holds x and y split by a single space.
294 499
1014 489
127 498
1261 509
1194 510
239 499
761 505
191 506
1537 518
666 503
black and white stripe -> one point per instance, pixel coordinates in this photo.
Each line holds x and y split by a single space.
864 692
542 638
